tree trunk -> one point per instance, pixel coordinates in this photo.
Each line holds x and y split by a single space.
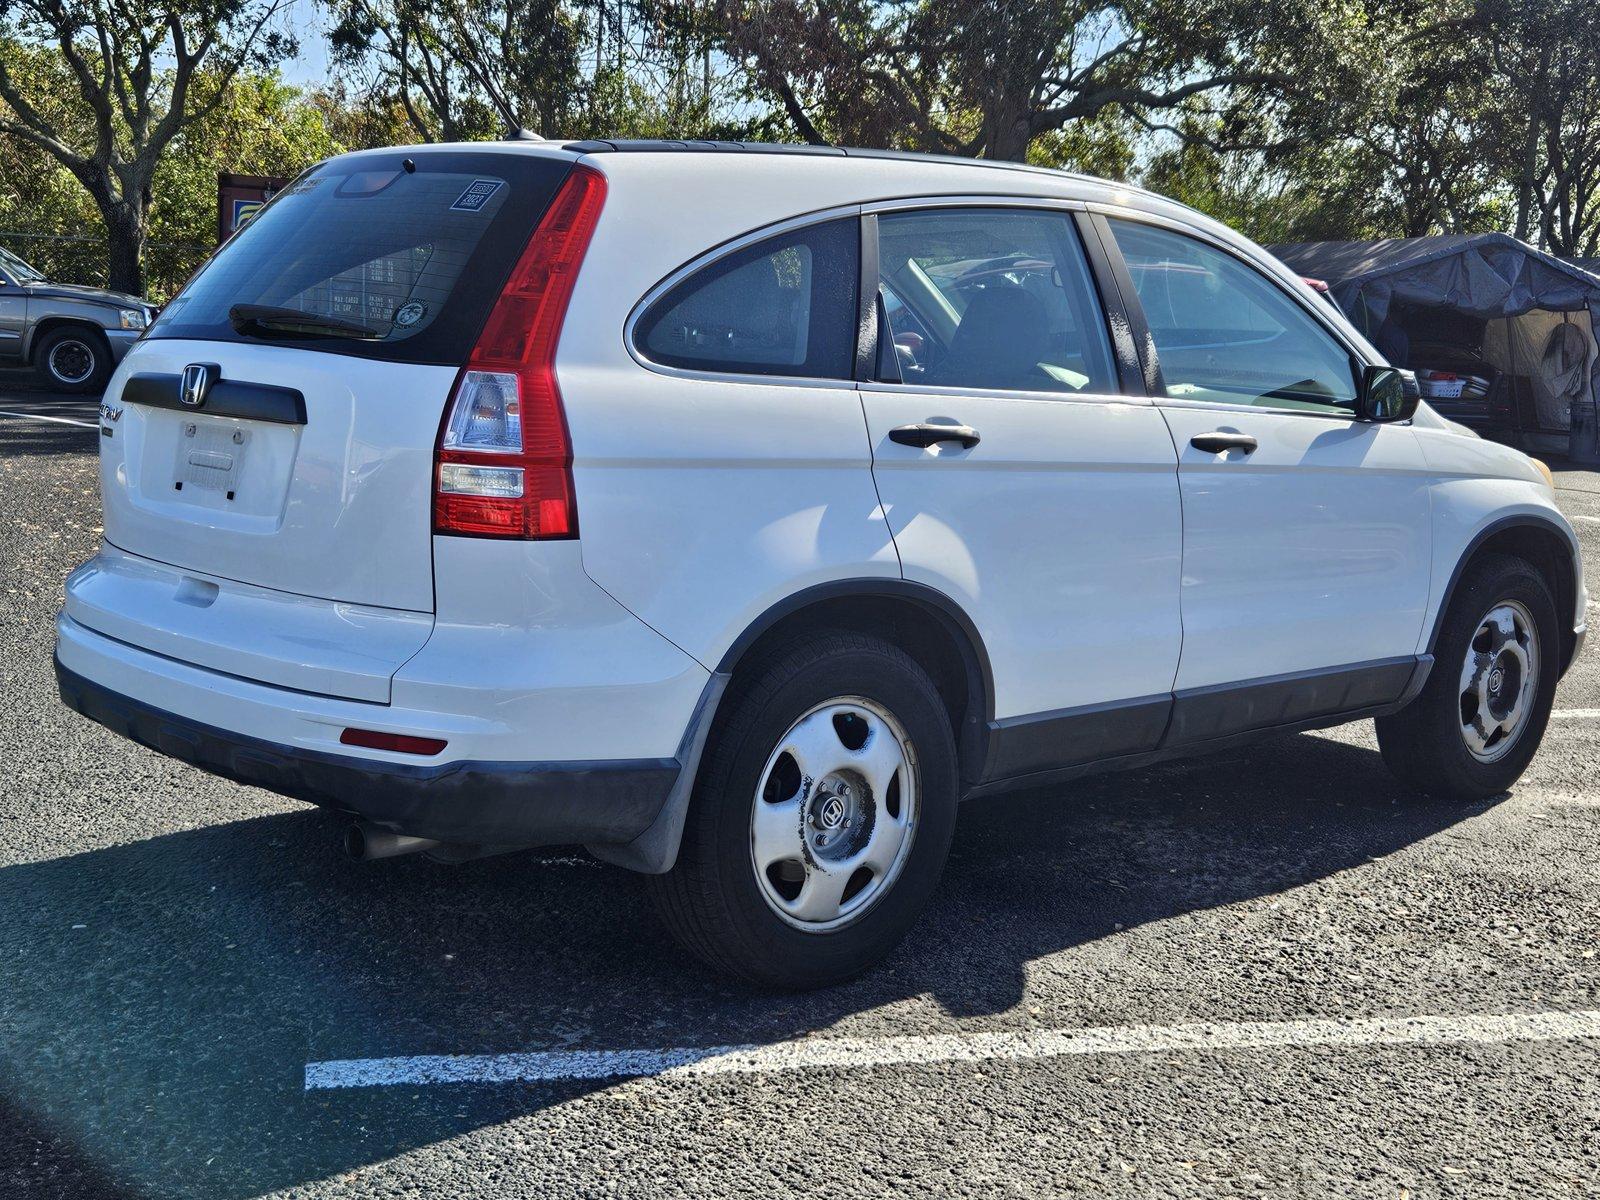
125 235
1008 132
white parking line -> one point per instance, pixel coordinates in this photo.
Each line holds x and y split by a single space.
546 1067
43 417
1574 714
1583 518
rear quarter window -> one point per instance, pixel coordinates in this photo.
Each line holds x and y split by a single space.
416 255
784 306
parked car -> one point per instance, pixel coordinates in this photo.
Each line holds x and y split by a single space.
527 493
72 336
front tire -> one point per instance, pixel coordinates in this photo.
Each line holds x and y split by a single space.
74 360
821 818
1477 723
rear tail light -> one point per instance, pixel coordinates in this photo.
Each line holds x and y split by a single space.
503 465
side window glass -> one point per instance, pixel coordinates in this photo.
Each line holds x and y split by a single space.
785 306
989 298
1227 334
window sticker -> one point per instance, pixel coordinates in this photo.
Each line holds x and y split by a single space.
409 314
476 195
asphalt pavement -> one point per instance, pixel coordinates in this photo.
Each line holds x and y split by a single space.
1192 980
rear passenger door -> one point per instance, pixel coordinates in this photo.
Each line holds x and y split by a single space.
1020 481
1307 533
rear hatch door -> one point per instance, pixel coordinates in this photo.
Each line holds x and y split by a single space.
277 425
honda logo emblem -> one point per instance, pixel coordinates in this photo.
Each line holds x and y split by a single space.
197 381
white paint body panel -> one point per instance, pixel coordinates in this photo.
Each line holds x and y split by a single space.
274 637
1059 534
529 661
331 509
1313 551
1477 483
704 503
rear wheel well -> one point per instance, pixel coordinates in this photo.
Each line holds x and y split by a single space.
1547 550
934 638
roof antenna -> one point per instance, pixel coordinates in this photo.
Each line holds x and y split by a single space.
517 133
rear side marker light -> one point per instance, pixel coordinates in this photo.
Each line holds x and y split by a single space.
399 743
503 462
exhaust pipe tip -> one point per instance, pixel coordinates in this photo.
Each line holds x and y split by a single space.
366 842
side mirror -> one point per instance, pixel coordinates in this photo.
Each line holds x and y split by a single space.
1387 394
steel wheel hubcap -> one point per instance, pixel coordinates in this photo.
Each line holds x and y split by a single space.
71 362
1498 681
834 814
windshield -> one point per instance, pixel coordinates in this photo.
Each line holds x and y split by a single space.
375 255
17 269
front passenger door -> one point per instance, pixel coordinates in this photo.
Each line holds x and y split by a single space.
1052 517
1307 533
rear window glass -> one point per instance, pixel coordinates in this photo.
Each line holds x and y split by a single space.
409 262
785 306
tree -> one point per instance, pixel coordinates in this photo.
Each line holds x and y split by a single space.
988 77
263 127
564 68
463 71
1544 127
130 69
1386 134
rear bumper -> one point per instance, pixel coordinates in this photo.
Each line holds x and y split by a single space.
481 803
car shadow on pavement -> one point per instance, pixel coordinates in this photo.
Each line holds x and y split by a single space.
20 438
164 996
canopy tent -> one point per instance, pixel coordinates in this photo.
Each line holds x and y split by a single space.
1489 276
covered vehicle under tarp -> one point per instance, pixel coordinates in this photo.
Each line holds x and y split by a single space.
1515 323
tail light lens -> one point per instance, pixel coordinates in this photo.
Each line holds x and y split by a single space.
503 464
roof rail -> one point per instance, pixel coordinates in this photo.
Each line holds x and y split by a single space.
707 146
664 145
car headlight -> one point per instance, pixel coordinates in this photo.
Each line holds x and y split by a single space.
134 318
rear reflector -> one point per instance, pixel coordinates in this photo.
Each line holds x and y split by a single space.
400 743
503 464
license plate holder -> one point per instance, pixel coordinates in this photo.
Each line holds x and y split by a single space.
210 457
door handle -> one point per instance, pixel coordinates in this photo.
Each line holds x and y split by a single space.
928 433
1221 443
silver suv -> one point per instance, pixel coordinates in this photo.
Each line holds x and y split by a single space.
73 336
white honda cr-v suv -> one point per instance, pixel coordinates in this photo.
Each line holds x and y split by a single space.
736 511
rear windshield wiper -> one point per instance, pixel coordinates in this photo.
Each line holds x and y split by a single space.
295 322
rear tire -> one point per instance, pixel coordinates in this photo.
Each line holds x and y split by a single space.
73 359
834 765
1476 725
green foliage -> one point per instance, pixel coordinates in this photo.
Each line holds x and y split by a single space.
1106 144
1293 120
262 126
104 86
